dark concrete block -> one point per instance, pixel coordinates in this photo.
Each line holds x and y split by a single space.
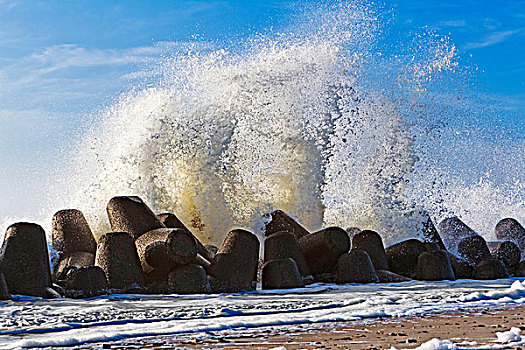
72 261
117 256
188 279
452 231
279 221
164 248
86 282
390 277
281 274
235 265
71 233
282 245
491 269
430 233
510 229
434 266
461 267
372 243
402 257
130 214
474 249
356 267
24 260
172 221
322 248
506 251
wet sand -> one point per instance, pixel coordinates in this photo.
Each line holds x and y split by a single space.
467 329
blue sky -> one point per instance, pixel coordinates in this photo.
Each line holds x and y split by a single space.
493 33
61 60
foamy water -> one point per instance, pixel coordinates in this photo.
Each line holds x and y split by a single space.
33 322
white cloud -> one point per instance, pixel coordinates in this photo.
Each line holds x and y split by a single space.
61 57
492 39
454 24
70 71
73 73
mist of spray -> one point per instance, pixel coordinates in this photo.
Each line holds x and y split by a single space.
313 120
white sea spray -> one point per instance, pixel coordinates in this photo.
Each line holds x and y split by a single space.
316 120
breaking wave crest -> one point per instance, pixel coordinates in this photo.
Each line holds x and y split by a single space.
315 120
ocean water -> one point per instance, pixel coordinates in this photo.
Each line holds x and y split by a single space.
33 322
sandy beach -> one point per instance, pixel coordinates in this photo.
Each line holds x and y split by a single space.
467 330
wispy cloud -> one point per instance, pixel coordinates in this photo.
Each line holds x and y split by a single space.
61 57
453 24
8 5
63 73
493 39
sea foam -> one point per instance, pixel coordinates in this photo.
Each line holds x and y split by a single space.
35 322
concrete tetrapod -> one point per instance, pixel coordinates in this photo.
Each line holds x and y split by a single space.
372 243
282 245
188 279
510 229
434 266
24 260
452 231
322 248
235 265
356 267
117 256
72 261
130 214
281 274
474 249
402 257
506 251
279 221
71 233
